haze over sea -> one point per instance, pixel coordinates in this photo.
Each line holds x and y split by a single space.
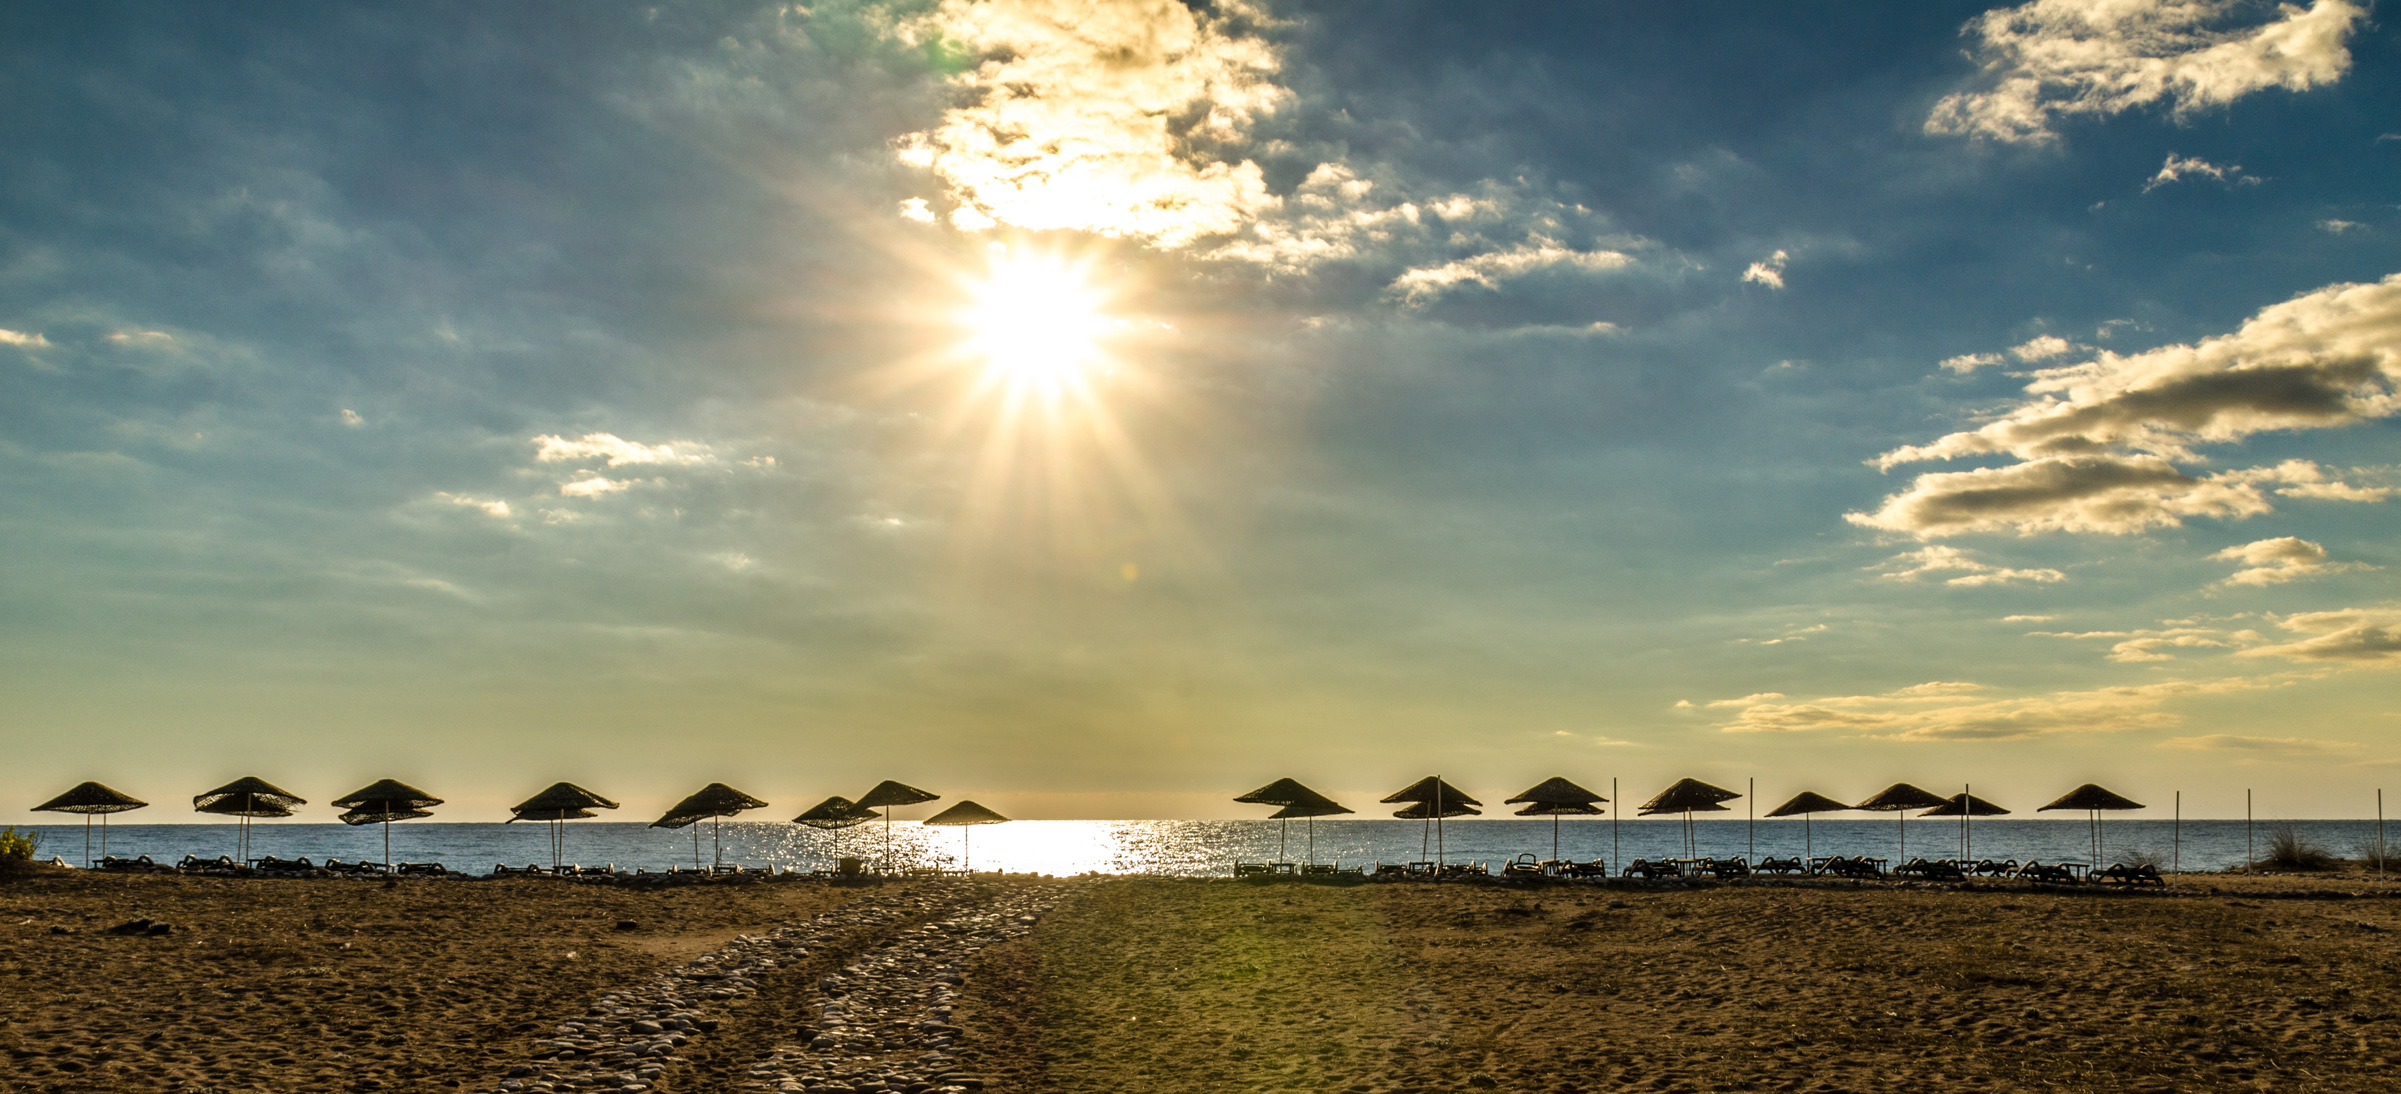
1192 848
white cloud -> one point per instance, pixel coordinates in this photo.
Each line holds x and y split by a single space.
1912 565
1960 711
22 340
2057 58
2177 168
351 418
593 487
2279 746
916 209
1768 271
615 450
2042 348
2348 634
492 507
1752 699
2275 561
2337 227
1969 362
151 338
1489 269
2096 440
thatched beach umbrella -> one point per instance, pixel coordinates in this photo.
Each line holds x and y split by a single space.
1803 805
713 801
888 794
562 802
2092 799
835 812
246 799
1435 800
964 815
1689 796
383 802
1556 797
1966 807
1898 799
1290 794
91 799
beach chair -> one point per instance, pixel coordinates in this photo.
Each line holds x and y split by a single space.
1930 870
1595 868
1725 867
1644 868
1773 865
1855 868
1989 868
420 869
1391 869
2058 873
1525 865
273 865
1320 869
2131 874
502 869
1464 869
1253 869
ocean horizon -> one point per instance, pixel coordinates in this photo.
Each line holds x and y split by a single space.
1193 848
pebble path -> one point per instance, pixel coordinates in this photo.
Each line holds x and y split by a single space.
883 1024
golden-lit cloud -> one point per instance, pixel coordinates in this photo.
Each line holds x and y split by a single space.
1117 119
1971 571
1489 269
2263 747
2348 634
2055 58
2133 646
1961 711
2282 559
615 451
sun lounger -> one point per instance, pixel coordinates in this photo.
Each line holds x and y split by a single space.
220 866
1320 869
502 869
271 864
2130 874
1644 868
1724 868
1523 866
1773 865
1253 869
140 864
1391 869
2062 873
1930 870
1464 869
420 869
1857 868
1989 868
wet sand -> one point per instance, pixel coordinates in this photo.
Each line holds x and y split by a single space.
1223 986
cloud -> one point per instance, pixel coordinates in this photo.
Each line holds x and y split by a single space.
2178 168
2057 58
2332 226
2042 348
2135 647
1959 711
615 450
2028 618
1768 271
22 340
2285 558
352 419
1969 362
1488 270
593 487
2096 439
1117 119
1972 573
153 338
2348 634
492 507
2279 746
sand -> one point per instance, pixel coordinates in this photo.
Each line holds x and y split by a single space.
1186 986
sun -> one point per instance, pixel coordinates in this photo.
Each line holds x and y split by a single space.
1037 323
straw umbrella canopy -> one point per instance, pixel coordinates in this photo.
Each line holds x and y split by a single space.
91 799
562 802
1556 797
1312 811
714 802
835 812
1966 807
1802 805
1898 799
963 816
246 799
1290 794
888 794
383 802
1438 799
1689 796
2093 800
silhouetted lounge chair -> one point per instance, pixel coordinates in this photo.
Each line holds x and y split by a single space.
1725 867
420 869
1253 869
1647 869
1857 868
273 865
2063 873
2131 874
1989 868
1320 869
1525 865
1773 865
1931 870
502 869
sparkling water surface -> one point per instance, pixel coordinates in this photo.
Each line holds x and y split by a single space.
1196 848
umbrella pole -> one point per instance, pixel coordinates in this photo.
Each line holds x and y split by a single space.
103 835
696 847
967 849
716 846
1425 840
1808 841
87 839
1313 828
1283 830
1619 811
1750 816
1554 837
387 846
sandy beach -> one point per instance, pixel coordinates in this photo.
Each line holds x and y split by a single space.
1216 985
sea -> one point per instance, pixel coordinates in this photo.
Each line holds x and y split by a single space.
1204 848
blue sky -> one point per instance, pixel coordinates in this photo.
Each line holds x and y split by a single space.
1101 409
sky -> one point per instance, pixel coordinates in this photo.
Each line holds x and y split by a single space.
1102 409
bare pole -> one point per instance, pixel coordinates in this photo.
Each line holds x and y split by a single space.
2176 849
1613 815
2380 835
2247 852
1750 816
